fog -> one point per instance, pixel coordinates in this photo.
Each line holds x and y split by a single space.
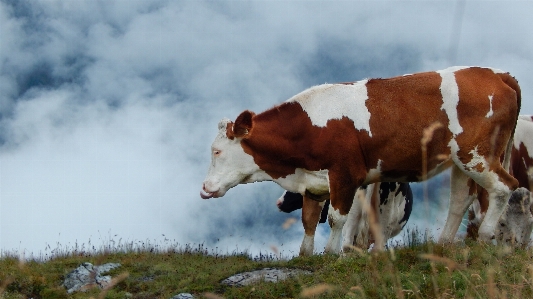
108 108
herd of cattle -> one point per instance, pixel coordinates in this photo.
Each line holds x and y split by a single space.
354 147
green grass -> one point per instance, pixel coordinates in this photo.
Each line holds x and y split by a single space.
421 269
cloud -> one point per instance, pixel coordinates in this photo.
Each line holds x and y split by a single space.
108 108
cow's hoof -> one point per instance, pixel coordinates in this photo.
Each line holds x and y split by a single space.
486 237
305 253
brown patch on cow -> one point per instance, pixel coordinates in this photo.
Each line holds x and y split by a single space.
401 109
311 210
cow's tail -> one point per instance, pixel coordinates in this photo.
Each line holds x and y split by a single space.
512 83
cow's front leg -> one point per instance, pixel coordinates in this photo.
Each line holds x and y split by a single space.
341 198
354 226
311 210
336 222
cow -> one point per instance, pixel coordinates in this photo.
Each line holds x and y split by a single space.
516 223
333 138
392 201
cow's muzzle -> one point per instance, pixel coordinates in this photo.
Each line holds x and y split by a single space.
205 194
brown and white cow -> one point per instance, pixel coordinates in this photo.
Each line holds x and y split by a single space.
333 138
390 204
516 223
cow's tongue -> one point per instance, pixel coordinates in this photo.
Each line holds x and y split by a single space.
206 195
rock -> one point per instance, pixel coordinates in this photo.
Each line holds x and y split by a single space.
183 296
266 274
87 276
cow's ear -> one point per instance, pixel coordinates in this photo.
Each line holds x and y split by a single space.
243 124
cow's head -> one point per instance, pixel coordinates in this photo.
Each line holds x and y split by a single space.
230 165
289 202
516 223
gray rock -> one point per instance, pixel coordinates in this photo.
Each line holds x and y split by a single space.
266 274
183 296
87 276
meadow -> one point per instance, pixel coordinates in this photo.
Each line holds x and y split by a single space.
419 268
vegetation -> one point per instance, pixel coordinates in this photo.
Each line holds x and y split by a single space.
419 269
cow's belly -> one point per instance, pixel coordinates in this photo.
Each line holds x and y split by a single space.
375 175
316 182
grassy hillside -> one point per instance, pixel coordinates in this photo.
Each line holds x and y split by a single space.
418 270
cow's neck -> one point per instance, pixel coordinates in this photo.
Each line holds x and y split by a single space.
277 141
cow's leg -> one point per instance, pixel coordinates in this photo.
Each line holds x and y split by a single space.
476 213
342 192
336 223
374 217
499 184
311 210
462 191
352 226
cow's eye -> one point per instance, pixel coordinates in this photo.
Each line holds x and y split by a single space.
216 152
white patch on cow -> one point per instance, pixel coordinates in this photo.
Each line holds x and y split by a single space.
391 212
497 71
450 98
489 114
335 101
316 182
454 148
523 134
477 159
453 69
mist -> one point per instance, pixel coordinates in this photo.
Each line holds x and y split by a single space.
108 108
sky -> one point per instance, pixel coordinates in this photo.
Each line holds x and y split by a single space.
108 108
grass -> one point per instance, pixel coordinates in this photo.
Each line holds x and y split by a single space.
420 269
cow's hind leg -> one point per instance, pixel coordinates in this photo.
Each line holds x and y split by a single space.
499 184
462 193
311 210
